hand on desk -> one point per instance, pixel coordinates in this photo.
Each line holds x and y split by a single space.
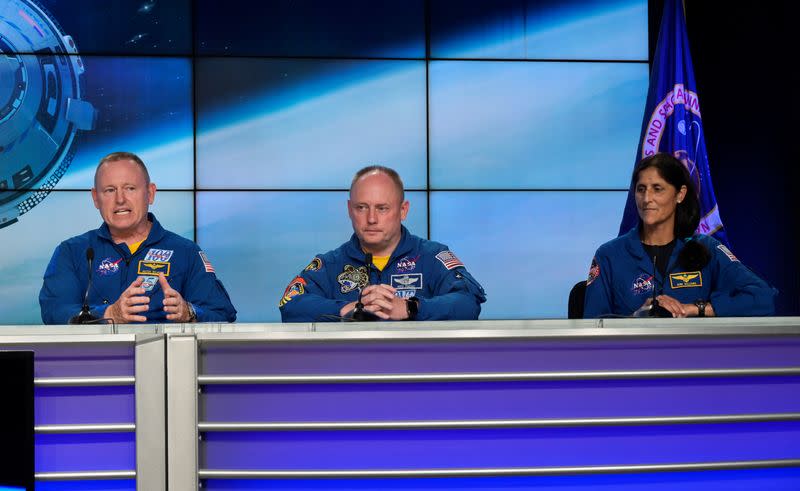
381 301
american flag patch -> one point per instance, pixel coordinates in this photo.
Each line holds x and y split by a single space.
727 252
206 262
449 259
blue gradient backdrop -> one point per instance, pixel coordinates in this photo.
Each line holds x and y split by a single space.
515 134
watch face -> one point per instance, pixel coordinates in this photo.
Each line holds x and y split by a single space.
40 106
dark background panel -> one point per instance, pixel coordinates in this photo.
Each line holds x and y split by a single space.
357 28
153 27
742 56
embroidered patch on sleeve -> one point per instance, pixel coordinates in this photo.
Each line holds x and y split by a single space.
314 265
295 288
594 272
727 252
206 262
449 260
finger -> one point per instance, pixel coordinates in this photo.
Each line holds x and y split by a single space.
382 288
135 318
135 288
162 280
372 309
138 308
383 291
387 288
371 298
382 304
672 306
679 309
136 300
132 292
175 309
172 301
370 290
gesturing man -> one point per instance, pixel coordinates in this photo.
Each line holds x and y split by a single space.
140 271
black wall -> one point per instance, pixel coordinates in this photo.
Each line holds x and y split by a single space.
744 58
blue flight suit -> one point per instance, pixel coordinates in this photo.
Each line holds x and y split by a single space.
621 279
114 268
417 268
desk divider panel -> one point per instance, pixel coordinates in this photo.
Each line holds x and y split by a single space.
97 407
707 404
486 409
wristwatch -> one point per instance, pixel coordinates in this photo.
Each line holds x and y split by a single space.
701 307
41 106
192 312
412 308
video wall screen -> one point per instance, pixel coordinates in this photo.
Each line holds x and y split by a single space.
539 29
514 125
305 124
539 125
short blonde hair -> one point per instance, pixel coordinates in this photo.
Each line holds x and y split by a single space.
116 157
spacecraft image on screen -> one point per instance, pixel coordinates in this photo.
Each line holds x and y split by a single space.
41 109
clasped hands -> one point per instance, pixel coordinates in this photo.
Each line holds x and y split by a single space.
134 301
676 308
381 301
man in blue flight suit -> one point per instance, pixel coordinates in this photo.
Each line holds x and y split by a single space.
396 275
140 271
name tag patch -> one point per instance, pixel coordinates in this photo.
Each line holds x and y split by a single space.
411 281
686 279
152 268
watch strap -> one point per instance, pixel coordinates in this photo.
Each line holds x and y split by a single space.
412 308
701 307
192 312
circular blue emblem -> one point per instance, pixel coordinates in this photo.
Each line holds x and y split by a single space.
41 109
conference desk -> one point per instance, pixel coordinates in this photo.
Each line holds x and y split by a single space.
545 404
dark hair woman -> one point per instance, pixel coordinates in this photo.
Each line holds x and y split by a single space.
688 274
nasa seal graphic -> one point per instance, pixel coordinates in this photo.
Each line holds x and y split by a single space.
680 109
41 109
